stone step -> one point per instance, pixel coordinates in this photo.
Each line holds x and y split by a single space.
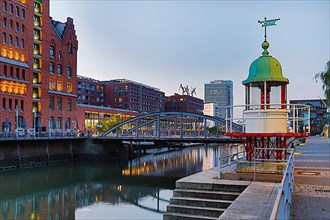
211 186
179 216
209 203
194 210
206 194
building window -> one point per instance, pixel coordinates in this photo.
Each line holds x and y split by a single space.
59 56
4 38
4 6
10 24
11 8
68 72
23 28
22 43
17 27
10 105
4 22
3 104
51 84
23 14
12 72
22 105
16 42
10 41
17 11
69 87
69 105
59 70
17 73
59 104
51 68
52 51
5 70
59 86
59 122
51 103
23 74
69 48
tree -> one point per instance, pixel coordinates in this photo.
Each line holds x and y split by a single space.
106 124
324 77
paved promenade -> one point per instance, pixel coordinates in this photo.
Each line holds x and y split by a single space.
311 196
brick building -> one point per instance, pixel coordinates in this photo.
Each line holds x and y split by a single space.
184 103
127 94
90 91
38 65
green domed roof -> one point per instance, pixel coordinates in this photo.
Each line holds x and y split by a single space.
265 68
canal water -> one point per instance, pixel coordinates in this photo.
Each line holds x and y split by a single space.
137 189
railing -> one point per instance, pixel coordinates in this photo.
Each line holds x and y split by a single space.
230 159
298 115
283 201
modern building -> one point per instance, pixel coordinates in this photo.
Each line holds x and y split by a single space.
90 91
183 103
130 95
220 92
38 64
318 114
211 109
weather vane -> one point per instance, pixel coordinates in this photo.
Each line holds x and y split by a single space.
266 23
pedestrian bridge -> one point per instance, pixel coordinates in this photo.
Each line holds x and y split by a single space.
175 126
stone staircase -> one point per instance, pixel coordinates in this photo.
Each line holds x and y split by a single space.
201 201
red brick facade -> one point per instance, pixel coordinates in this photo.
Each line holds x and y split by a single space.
30 42
184 103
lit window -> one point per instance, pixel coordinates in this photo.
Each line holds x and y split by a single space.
59 86
51 84
68 87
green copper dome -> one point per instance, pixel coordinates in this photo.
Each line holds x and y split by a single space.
265 68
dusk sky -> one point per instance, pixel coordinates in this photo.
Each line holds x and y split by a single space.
166 43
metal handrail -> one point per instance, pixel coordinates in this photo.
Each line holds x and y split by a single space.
283 201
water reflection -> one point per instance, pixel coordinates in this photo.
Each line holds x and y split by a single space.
138 189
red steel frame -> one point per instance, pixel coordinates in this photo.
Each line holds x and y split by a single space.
255 142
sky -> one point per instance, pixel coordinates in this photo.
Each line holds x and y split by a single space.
167 43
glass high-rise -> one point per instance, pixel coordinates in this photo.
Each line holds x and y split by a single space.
220 92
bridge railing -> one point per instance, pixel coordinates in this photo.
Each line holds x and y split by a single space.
298 115
283 201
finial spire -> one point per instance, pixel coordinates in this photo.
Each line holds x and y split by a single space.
266 23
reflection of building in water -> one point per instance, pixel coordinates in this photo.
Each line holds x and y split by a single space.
174 164
62 203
